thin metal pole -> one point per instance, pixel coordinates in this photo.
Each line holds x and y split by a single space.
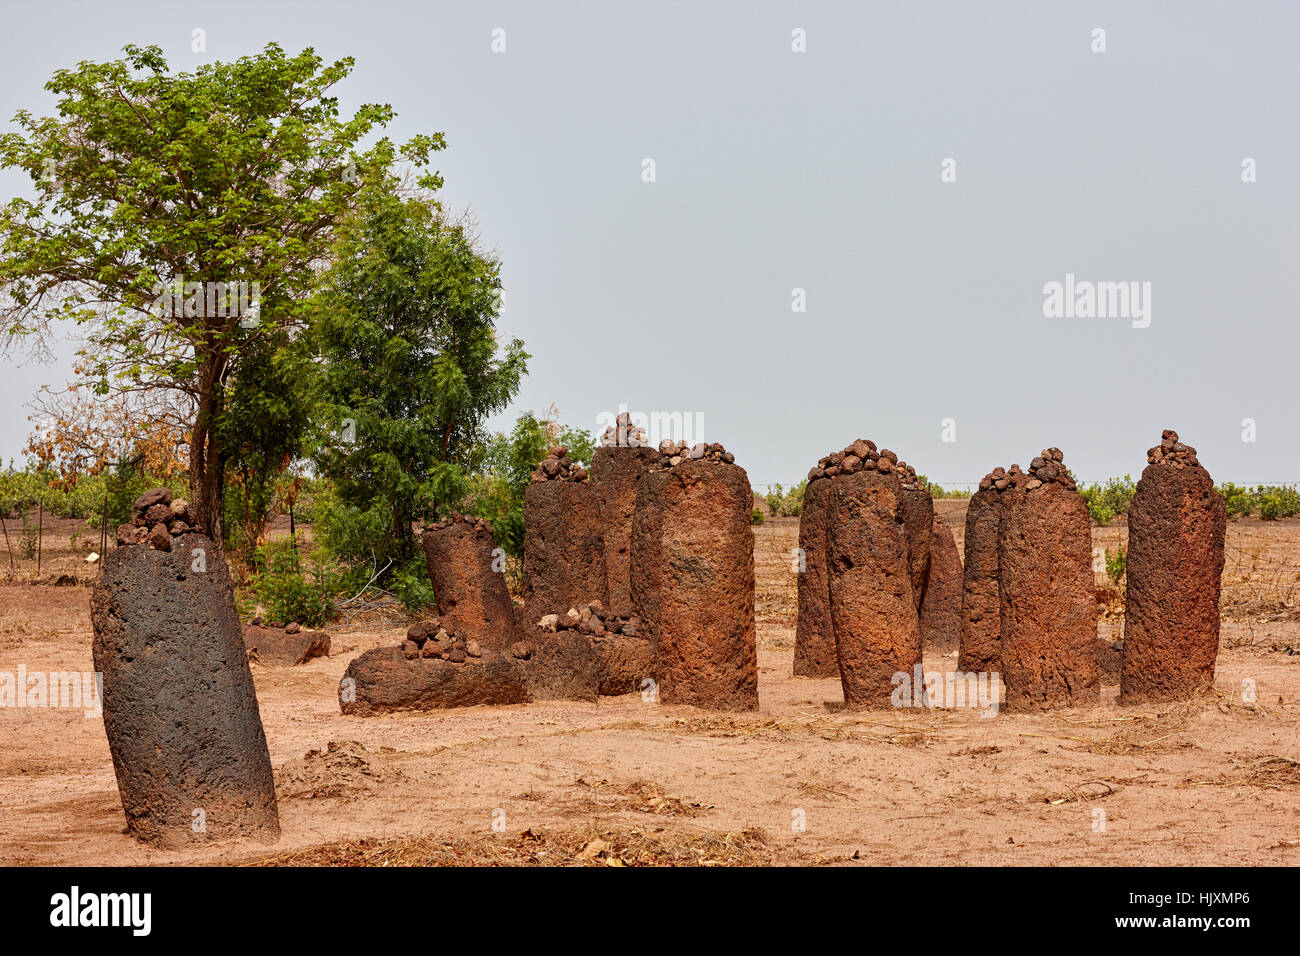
8 546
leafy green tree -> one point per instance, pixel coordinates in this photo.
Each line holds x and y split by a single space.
499 487
411 369
182 217
580 443
263 428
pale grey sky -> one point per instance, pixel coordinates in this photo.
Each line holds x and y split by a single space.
821 171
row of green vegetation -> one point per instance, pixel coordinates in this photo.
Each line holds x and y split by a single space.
1106 501
1112 499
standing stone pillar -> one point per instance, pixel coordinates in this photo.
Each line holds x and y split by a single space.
941 604
469 582
693 577
1176 528
814 637
918 522
615 472
877 633
1050 654
180 709
981 614
564 544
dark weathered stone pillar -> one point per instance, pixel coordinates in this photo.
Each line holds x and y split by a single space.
468 581
180 709
1050 654
693 573
1176 528
877 633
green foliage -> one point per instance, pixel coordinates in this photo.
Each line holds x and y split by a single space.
410 584
288 591
938 492
497 491
1271 502
28 537
405 325
1238 501
1116 563
581 444
1107 501
785 504
33 487
262 428
756 516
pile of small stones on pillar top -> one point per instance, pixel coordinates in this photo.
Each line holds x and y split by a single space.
673 453
623 434
861 455
156 518
1048 466
1171 451
557 466
455 517
436 639
907 474
594 619
1000 479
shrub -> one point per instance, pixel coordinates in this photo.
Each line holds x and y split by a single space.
1116 564
756 516
286 592
1271 501
410 584
1107 501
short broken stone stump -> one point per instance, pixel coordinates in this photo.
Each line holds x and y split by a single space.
276 647
564 665
383 680
461 569
625 664
180 709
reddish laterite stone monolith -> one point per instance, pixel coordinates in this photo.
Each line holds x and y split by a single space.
564 547
941 603
981 616
877 632
918 525
179 706
468 581
1049 648
615 472
1176 527
814 638
693 580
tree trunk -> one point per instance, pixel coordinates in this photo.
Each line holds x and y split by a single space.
207 463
